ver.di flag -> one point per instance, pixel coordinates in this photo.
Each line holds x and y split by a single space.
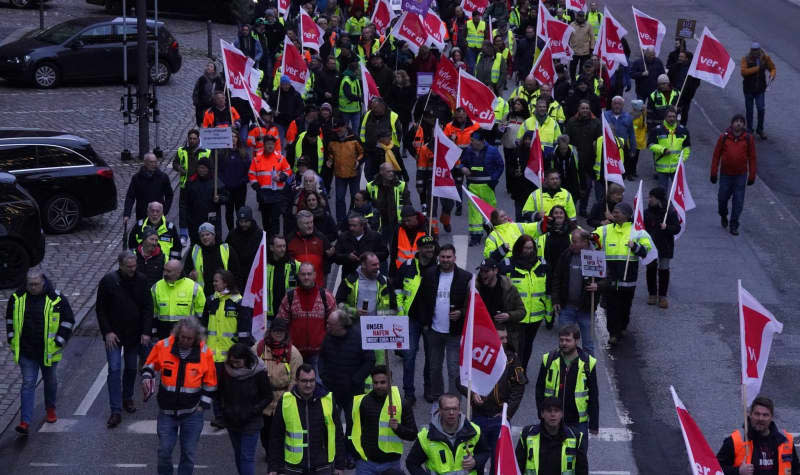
445 155
294 66
311 33
701 458
470 6
711 62
543 70
577 5
558 34
477 99
409 28
255 293
255 101
504 450
482 359
679 196
368 86
445 81
436 30
534 169
237 66
611 45
638 225
649 30
283 8
613 168
757 327
382 16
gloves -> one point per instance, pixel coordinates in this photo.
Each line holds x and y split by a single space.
750 182
714 179
254 186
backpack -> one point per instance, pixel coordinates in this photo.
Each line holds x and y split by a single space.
290 299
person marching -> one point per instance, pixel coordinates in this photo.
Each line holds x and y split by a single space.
482 166
505 233
175 298
380 426
543 199
551 446
663 232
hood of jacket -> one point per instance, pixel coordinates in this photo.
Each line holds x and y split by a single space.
247 372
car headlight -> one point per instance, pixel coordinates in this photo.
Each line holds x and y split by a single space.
19 59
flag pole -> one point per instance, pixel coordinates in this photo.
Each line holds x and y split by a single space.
744 393
264 279
591 315
672 188
680 93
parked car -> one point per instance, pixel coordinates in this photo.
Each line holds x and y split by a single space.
89 48
25 3
21 236
63 173
230 11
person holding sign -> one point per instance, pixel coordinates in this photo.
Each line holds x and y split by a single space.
621 245
572 292
380 424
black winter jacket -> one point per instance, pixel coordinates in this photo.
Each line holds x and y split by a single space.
199 203
125 306
31 342
726 454
459 293
347 243
343 365
244 397
663 239
146 187
560 284
245 244
152 267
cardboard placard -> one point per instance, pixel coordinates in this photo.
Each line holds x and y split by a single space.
424 82
685 28
593 263
384 332
216 138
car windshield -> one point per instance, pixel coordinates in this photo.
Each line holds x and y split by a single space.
60 33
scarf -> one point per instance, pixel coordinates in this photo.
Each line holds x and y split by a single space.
281 350
388 155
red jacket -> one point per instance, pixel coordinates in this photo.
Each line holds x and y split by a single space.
311 249
734 155
306 327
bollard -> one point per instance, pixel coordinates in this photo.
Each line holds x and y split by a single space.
208 29
41 14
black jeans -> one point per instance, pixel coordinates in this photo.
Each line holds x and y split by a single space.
618 309
577 65
527 333
236 199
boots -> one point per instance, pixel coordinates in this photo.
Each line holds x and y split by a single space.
445 218
652 283
663 286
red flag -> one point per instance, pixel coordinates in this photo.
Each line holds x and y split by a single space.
535 167
679 196
479 340
283 8
236 66
543 69
650 31
436 30
711 62
255 101
610 65
294 66
445 155
542 18
484 208
409 29
470 6
368 86
382 16
611 46
558 33
445 81
757 327
477 99
638 225
578 5
311 33
255 291
701 458
612 159
504 450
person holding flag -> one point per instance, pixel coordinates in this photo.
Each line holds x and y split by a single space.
482 166
669 141
623 247
764 450
551 446
281 274
662 224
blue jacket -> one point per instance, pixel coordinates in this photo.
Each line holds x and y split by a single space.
623 128
233 168
489 158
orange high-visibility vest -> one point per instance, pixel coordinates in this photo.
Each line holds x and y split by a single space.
784 452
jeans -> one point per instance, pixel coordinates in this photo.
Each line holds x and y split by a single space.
527 333
354 120
30 371
169 428
490 429
748 107
665 180
438 343
244 450
618 309
471 57
343 185
410 360
119 390
570 314
731 186
237 199
365 467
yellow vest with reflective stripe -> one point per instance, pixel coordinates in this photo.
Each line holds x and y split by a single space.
295 440
532 290
374 49
440 459
392 120
172 303
507 233
298 152
346 106
615 237
289 279
222 326
164 238
594 19
52 320
553 380
475 35
548 131
399 188
498 58
388 441
542 202
568 449
183 158
197 257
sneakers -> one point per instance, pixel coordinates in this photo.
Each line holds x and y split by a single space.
663 302
114 420
51 415
723 220
129 406
22 428
652 300
734 231
458 209
762 135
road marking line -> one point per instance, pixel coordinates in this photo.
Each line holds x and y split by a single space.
91 395
460 242
61 425
45 464
130 465
149 427
610 472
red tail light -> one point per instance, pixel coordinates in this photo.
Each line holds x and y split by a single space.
174 45
106 172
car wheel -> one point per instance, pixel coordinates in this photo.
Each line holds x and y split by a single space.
160 74
20 3
62 214
46 76
14 263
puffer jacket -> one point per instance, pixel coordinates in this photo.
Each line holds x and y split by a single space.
244 393
281 375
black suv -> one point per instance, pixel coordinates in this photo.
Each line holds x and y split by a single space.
62 171
87 49
21 236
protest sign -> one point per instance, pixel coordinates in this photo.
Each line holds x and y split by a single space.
384 332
